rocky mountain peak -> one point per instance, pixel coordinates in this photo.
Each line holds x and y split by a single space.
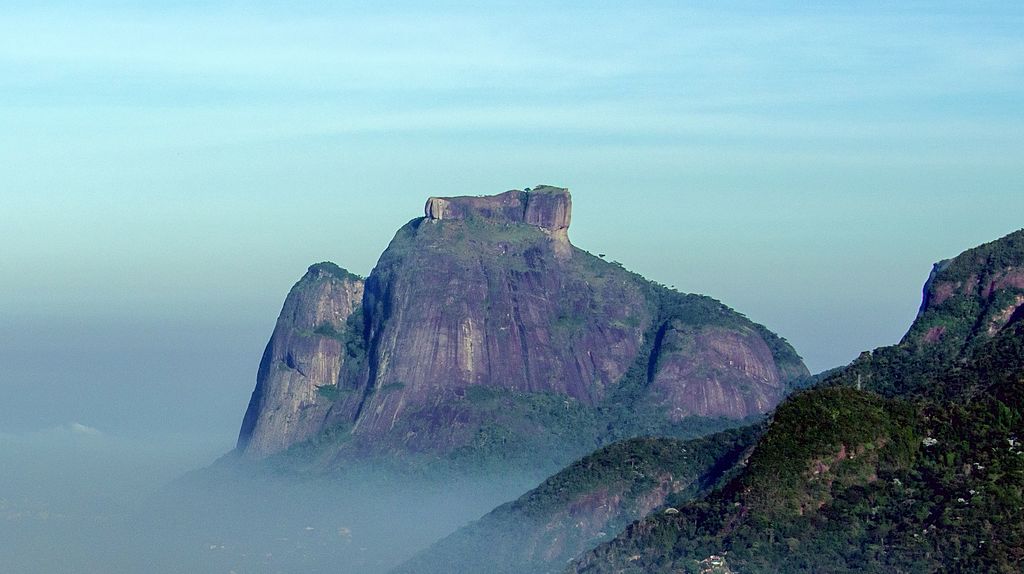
481 325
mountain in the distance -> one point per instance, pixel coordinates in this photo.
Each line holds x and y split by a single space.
483 334
909 460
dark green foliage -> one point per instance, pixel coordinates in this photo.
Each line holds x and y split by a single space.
959 323
995 255
329 392
828 426
809 381
970 305
614 485
953 506
355 349
328 331
302 458
333 270
544 430
636 463
523 427
935 483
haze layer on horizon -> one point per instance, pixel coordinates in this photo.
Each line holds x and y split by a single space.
170 170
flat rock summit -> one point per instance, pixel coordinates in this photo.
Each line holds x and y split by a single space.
549 208
482 331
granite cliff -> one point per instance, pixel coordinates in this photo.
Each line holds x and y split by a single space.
304 355
483 332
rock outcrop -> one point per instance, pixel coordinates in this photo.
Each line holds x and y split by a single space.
305 355
481 325
714 371
549 208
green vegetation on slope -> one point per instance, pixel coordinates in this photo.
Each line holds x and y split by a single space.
971 309
585 504
1005 252
852 481
334 270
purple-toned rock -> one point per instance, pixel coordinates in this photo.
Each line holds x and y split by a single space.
304 354
715 371
482 328
455 304
549 208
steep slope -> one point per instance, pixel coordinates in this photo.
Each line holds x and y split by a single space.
909 460
971 297
305 354
967 300
484 334
585 504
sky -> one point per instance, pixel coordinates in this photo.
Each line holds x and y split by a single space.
171 169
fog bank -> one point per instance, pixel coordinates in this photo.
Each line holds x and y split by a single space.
74 499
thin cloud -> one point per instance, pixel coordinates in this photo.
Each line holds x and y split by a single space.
84 430
671 52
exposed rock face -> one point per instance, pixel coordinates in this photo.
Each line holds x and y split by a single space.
480 311
452 308
304 353
714 371
546 207
549 208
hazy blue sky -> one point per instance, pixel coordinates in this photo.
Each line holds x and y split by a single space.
170 169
